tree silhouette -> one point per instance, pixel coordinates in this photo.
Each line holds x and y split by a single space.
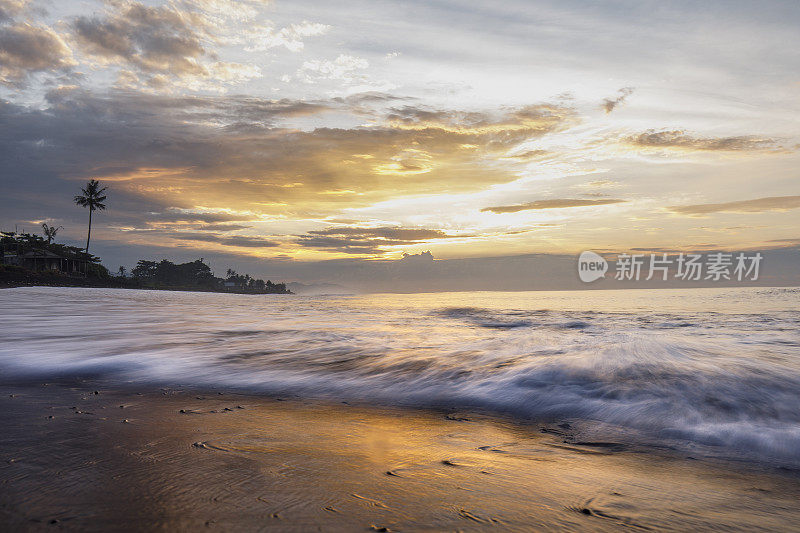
92 197
50 231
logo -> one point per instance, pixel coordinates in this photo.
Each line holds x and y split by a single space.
717 266
591 267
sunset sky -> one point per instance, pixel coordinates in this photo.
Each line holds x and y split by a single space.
296 133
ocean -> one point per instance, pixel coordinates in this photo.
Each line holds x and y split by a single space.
715 372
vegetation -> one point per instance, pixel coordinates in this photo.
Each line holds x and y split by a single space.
20 244
50 232
197 275
32 260
13 246
194 275
92 197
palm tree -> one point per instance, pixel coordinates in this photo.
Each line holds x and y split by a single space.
50 231
92 197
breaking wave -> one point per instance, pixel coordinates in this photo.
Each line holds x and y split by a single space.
712 368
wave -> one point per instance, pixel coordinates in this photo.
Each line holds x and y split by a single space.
508 319
726 382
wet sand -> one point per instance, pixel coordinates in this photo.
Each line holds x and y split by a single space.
171 459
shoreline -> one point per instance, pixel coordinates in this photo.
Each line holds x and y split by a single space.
4 285
82 456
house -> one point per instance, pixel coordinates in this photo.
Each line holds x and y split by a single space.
39 259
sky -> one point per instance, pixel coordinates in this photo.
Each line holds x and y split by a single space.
327 141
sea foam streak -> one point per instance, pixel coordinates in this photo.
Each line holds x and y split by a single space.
713 367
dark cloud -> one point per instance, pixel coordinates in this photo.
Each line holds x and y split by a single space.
153 39
232 240
11 8
679 139
359 100
356 240
223 227
25 49
757 205
786 242
194 151
179 162
558 203
609 104
189 217
410 115
238 241
403 234
345 244
513 123
217 114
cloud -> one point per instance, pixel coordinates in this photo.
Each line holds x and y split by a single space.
206 222
175 41
355 240
11 8
609 104
680 140
289 37
530 155
240 241
757 205
559 203
178 162
154 39
217 152
157 236
25 49
391 232
786 242
511 124
370 97
344 67
201 114
173 216
223 227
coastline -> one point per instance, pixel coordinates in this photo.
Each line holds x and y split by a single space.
85 458
91 285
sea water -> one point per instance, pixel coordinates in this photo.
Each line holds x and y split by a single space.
716 371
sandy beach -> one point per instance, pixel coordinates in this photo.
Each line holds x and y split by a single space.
84 459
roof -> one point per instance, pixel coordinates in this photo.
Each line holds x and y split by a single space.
41 254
